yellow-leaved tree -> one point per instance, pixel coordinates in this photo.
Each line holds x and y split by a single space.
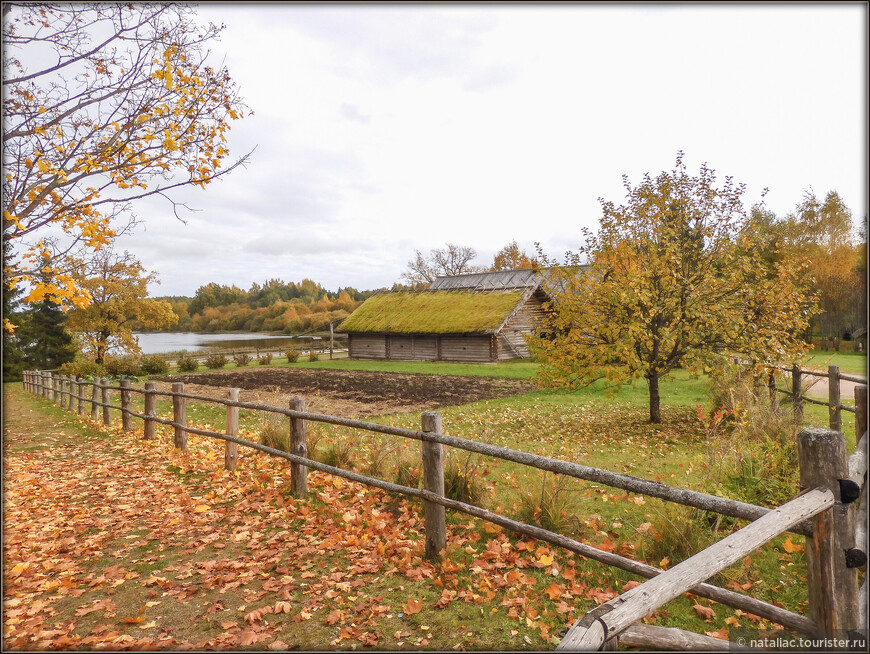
104 104
673 278
118 287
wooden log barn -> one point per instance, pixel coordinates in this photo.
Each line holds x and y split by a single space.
475 317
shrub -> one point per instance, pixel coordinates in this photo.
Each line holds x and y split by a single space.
408 472
242 359
82 369
187 363
275 432
751 441
377 452
463 478
122 366
339 452
312 356
265 359
214 361
292 356
153 364
550 507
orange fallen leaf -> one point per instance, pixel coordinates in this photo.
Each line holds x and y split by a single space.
413 606
704 612
791 548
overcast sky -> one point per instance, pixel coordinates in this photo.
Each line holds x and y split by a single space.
381 129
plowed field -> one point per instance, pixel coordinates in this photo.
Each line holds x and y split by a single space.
353 393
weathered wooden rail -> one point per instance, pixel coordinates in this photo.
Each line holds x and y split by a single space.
798 375
825 512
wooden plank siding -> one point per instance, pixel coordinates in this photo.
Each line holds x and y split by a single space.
511 340
414 347
466 347
367 346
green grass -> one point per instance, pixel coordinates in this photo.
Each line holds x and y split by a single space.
851 363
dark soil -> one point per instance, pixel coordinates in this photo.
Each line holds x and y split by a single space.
353 393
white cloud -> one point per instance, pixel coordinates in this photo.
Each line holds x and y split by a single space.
384 128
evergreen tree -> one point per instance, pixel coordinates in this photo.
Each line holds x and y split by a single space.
13 359
42 339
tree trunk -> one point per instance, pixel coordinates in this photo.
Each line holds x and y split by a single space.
655 409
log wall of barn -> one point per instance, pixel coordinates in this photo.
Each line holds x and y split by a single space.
412 348
367 346
467 348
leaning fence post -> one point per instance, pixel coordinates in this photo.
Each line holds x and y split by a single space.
179 415
771 389
433 481
107 401
126 417
860 411
95 398
148 431
833 586
797 398
231 452
835 414
299 447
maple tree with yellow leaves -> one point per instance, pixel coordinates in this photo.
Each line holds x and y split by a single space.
103 105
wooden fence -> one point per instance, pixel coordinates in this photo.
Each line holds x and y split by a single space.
825 511
798 376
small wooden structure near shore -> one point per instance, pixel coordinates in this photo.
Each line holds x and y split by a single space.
476 317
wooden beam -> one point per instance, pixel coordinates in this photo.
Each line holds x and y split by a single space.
652 637
609 619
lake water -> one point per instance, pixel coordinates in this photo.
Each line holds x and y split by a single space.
159 343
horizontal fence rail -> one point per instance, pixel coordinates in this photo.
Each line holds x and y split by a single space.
64 391
612 617
797 373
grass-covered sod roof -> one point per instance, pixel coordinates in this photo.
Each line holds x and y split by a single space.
433 312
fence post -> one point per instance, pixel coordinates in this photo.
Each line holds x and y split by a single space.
126 418
797 398
772 392
148 431
107 400
833 586
46 385
80 392
299 447
231 452
433 481
860 411
55 392
73 391
835 414
179 415
95 398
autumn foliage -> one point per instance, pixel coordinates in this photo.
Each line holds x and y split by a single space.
672 278
128 108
